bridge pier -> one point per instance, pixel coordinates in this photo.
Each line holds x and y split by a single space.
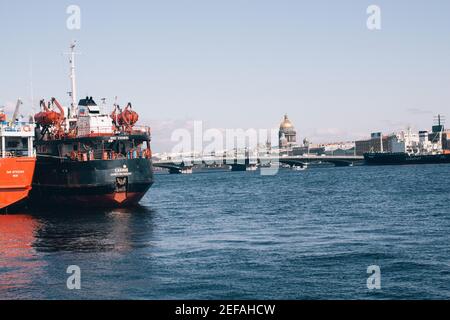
238 167
246 165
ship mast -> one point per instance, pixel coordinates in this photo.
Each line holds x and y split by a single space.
73 94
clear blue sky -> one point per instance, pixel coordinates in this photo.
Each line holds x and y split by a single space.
240 63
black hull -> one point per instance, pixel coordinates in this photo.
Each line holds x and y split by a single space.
15 208
97 183
404 159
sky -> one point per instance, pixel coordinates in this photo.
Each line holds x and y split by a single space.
238 63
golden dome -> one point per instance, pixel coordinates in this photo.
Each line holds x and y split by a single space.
286 124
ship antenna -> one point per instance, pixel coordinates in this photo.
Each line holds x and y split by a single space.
115 109
33 109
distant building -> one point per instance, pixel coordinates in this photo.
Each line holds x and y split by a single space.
376 143
310 150
446 140
287 134
339 148
341 152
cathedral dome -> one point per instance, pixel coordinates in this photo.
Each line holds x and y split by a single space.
287 134
286 124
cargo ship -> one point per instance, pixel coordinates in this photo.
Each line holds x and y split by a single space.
405 158
414 148
87 157
17 161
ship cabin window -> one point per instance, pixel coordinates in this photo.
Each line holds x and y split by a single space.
15 146
11 144
94 110
144 145
90 104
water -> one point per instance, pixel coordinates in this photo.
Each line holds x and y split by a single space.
296 235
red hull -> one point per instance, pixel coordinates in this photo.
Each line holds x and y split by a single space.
16 175
113 200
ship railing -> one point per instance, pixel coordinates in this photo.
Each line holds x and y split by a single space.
106 155
18 153
97 132
137 130
142 129
106 131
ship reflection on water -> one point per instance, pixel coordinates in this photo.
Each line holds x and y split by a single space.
18 266
29 244
89 231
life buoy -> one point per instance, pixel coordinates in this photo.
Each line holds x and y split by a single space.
26 128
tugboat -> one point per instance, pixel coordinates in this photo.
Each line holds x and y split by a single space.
89 158
17 160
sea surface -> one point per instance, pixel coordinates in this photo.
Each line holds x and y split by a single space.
296 235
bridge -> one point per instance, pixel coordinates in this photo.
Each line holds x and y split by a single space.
175 167
303 161
185 166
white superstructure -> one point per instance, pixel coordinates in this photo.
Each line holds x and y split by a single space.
91 121
414 143
16 139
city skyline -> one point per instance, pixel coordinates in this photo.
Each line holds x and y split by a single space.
238 65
